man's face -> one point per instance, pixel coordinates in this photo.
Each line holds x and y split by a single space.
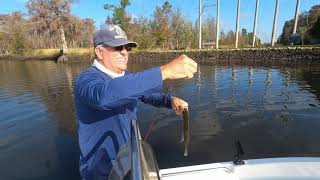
114 58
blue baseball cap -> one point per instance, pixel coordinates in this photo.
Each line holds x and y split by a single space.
113 36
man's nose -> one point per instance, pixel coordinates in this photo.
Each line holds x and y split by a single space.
124 51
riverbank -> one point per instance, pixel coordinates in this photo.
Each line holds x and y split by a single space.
75 54
247 56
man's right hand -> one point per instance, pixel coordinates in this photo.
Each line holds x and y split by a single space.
181 67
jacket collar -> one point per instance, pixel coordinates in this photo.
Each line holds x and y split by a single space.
113 75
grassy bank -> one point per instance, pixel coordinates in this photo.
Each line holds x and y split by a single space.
262 53
53 52
87 51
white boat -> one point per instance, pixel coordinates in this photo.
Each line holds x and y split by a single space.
144 166
288 168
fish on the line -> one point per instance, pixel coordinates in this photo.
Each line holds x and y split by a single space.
186 133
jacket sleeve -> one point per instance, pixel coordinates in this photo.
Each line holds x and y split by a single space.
97 92
158 100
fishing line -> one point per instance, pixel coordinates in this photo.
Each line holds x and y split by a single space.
155 121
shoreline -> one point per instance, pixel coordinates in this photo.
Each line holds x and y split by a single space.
246 56
249 56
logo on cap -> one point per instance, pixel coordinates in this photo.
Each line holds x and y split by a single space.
120 33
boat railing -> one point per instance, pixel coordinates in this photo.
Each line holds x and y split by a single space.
143 163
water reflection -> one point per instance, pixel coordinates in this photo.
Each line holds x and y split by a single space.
213 81
38 123
272 111
198 84
250 104
233 84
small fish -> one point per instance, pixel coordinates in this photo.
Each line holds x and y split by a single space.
186 134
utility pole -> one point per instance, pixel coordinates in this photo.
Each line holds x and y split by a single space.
237 26
296 17
255 23
217 24
274 23
200 14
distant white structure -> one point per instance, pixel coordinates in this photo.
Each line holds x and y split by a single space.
237 26
208 44
200 14
274 23
255 23
296 17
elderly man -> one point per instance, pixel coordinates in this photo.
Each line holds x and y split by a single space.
106 97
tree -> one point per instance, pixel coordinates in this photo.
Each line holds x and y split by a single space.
286 32
230 38
221 36
141 32
87 30
13 34
167 9
307 21
314 14
50 25
177 25
180 31
315 30
49 17
160 24
109 20
4 32
120 16
209 29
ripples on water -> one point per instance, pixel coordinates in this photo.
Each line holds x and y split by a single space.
37 122
271 111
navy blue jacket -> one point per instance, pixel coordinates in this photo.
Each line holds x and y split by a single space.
105 108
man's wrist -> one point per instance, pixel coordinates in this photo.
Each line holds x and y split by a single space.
164 73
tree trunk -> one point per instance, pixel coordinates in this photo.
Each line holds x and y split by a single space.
64 43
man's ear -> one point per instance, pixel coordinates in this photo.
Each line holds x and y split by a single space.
98 53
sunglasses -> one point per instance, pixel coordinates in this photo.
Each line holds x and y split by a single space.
120 48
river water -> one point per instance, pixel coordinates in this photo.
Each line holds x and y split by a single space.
272 111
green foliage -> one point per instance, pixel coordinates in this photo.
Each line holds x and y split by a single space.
181 30
42 28
50 17
50 14
13 34
306 28
4 43
169 29
315 30
209 30
141 32
19 44
166 29
120 16
160 25
286 32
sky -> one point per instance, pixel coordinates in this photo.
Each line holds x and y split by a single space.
190 9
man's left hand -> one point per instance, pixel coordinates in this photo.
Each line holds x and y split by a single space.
178 105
